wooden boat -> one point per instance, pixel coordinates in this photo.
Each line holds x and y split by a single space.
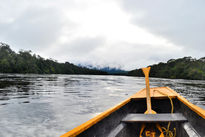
127 118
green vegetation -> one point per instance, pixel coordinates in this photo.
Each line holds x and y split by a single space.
25 62
182 68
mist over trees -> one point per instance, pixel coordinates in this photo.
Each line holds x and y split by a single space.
182 68
26 62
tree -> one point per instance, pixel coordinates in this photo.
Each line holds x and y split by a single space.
26 62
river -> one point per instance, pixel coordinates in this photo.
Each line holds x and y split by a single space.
50 105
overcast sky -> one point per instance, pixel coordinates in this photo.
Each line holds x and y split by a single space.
118 33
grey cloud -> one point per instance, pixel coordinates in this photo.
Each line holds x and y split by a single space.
35 29
83 46
78 49
180 21
130 56
42 26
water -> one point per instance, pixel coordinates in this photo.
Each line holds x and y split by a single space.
50 105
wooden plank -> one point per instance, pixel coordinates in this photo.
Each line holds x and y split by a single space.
117 130
154 118
190 131
156 92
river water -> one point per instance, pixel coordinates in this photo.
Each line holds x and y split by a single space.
50 105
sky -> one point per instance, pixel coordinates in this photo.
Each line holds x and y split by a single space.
127 34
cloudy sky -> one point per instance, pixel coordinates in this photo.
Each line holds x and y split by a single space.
118 33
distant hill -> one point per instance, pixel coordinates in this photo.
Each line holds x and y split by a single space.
182 68
115 71
25 62
109 70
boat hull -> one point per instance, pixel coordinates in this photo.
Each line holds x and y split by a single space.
110 123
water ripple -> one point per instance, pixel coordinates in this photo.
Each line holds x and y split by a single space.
50 105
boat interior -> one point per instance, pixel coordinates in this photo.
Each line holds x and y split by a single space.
129 120
151 112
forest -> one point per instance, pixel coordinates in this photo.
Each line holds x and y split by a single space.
26 62
182 68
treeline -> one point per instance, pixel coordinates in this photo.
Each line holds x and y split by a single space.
109 70
182 68
26 62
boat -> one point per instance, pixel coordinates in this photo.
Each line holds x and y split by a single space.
151 112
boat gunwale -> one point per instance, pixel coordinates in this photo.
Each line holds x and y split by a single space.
198 110
79 129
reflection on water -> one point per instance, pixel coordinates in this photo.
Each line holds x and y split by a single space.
50 105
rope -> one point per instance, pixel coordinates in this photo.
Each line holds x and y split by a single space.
167 132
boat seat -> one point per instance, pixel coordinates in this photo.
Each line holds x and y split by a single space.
154 118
